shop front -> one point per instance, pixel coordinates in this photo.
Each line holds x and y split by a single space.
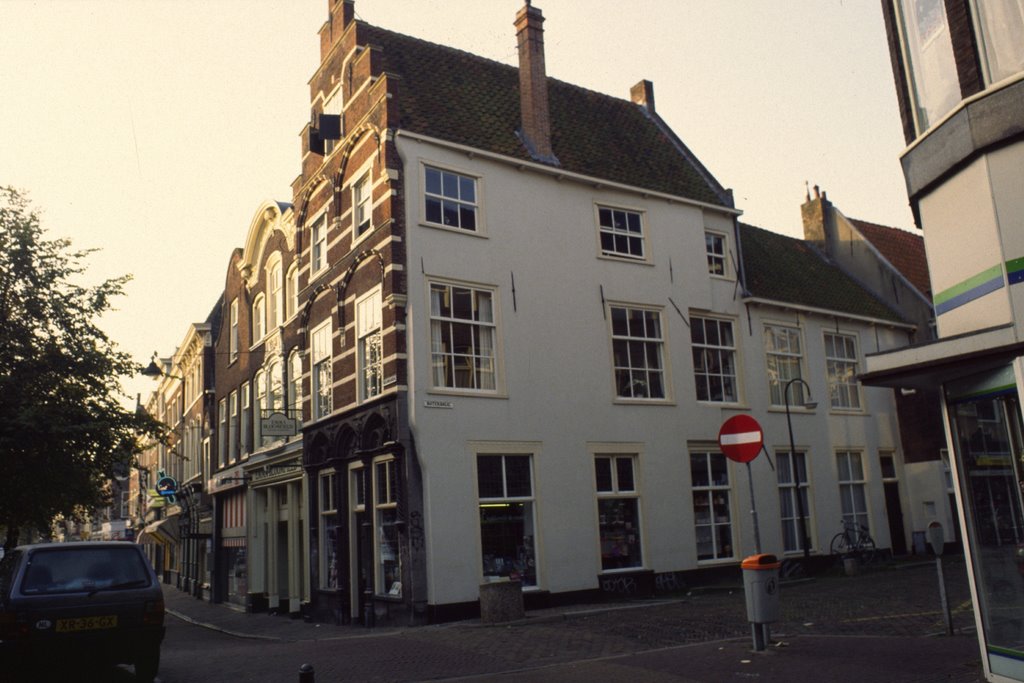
981 377
279 556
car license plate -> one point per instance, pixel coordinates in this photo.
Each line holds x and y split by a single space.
86 623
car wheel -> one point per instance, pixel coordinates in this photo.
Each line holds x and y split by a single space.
146 667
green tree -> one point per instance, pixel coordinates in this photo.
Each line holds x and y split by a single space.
64 427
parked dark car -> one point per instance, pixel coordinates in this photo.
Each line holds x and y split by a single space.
93 604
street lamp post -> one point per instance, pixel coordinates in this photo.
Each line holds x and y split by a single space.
793 464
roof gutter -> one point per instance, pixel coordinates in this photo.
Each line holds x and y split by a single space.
829 312
562 174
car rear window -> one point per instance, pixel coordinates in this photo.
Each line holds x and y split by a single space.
68 570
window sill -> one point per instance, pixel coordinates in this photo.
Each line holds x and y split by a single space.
620 401
624 570
466 393
848 412
718 562
450 228
793 410
625 259
727 405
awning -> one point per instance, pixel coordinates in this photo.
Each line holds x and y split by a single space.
162 531
933 363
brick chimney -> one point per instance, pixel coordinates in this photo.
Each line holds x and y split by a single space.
533 85
643 94
819 227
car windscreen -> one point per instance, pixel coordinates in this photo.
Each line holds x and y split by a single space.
68 570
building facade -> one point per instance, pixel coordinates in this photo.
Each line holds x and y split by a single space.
959 73
493 336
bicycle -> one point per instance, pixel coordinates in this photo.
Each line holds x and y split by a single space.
853 541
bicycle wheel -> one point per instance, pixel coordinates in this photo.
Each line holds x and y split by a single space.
840 544
866 550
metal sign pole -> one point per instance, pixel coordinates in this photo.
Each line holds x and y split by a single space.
753 511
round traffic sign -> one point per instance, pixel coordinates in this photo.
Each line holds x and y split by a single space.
740 438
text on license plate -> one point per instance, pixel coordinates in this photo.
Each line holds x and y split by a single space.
86 623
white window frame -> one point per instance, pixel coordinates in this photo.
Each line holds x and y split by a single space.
362 205
334 104
939 70
322 372
246 430
612 232
386 480
779 362
295 385
222 437
843 395
459 200
370 345
629 343
233 341
328 510
233 426
446 362
711 358
784 477
318 244
507 498
275 293
259 403
992 33
259 319
718 261
852 479
291 298
616 535
716 497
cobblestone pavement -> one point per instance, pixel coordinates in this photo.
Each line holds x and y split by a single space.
698 635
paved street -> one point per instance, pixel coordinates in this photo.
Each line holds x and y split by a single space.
884 625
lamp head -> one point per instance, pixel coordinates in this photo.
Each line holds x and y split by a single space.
152 370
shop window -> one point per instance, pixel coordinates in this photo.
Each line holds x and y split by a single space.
618 510
388 557
329 527
712 508
507 524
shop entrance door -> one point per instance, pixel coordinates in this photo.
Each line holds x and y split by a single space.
985 420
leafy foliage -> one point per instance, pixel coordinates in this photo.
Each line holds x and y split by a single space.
63 425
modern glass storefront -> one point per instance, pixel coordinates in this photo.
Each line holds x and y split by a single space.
985 425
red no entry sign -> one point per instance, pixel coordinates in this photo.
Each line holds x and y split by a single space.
740 438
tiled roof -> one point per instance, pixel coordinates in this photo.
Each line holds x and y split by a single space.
784 269
459 97
904 250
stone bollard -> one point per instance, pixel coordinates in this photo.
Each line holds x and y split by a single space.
306 674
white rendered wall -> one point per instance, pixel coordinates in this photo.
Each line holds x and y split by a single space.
558 397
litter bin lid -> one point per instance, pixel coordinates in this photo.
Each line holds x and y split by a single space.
762 561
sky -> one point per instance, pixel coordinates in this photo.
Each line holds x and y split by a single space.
153 130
